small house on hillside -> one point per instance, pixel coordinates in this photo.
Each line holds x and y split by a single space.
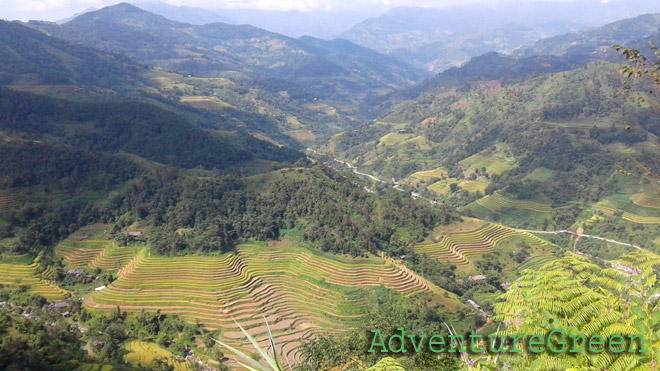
76 272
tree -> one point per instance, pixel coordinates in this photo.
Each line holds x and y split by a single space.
642 67
645 70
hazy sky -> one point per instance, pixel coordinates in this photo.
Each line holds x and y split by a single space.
57 9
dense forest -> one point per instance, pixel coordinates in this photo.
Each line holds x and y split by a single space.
457 123
138 128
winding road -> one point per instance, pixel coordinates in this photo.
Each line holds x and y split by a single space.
582 235
415 195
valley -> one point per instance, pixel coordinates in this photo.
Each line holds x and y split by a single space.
182 192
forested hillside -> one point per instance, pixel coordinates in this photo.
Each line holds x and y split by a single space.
329 70
31 57
155 198
594 40
555 140
137 128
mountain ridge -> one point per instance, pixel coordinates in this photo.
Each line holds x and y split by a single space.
213 49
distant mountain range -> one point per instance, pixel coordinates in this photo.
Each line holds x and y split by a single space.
594 39
329 69
436 39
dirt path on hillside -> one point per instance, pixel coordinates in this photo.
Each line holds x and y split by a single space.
578 234
415 195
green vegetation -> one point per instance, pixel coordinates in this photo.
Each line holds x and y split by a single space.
505 136
575 296
287 284
499 162
138 128
461 248
540 175
171 203
307 69
28 278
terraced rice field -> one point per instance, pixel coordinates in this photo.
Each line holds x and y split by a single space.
96 254
6 200
421 142
441 187
497 202
299 293
15 275
644 200
89 248
430 174
394 139
492 165
473 186
458 248
204 102
629 216
145 354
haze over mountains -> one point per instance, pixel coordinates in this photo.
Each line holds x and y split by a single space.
429 39
328 69
183 172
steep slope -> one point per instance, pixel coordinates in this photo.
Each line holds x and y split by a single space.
29 57
490 66
438 38
549 141
142 129
217 49
42 64
594 40
301 292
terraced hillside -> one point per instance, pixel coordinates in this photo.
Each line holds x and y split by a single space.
6 200
459 248
504 209
497 202
641 208
646 200
629 216
299 292
145 354
90 247
16 275
492 165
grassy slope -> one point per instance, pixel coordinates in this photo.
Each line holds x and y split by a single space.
483 127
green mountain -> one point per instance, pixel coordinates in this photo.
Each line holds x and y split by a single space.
553 140
138 128
155 179
220 50
488 67
453 50
598 39
30 57
42 64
